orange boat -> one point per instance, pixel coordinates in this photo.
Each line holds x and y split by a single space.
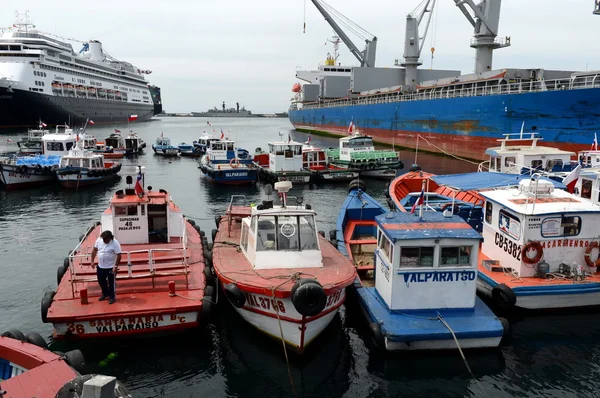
162 283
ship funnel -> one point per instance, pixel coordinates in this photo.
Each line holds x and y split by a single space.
94 51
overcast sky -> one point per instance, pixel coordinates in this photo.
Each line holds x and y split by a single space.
203 52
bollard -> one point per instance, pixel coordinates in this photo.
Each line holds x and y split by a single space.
84 296
171 288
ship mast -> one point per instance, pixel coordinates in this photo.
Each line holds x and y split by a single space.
485 20
597 7
413 43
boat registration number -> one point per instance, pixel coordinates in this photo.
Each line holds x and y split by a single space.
508 246
265 303
292 178
18 175
126 324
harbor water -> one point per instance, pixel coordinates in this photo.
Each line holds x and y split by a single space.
548 355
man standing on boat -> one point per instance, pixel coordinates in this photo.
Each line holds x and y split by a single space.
109 256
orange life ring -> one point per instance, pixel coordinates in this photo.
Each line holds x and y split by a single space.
234 163
588 254
537 246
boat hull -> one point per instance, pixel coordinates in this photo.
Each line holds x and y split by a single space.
72 181
267 175
24 108
466 126
13 179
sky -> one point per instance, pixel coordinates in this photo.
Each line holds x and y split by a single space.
204 52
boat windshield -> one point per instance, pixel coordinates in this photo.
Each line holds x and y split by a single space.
359 142
286 233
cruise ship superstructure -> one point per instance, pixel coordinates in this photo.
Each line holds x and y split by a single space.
43 78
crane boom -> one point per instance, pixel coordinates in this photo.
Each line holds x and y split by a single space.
413 41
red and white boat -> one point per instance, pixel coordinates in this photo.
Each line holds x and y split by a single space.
280 275
315 160
162 281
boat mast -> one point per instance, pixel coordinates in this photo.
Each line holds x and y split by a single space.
413 42
485 20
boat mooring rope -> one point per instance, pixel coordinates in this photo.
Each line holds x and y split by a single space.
444 152
287 361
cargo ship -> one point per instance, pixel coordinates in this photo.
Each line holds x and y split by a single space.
42 77
443 110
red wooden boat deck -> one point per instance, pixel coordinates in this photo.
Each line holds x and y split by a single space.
232 266
363 240
47 372
145 292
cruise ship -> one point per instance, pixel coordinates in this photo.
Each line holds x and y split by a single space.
445 111
43 78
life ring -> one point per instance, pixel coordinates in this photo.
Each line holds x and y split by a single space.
529 246
308 297
455 209
234 163
234 295
588 255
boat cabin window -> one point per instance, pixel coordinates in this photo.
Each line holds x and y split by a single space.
561 226
286 233
126 210
586 188
455 256
361 142
536 164
509 224
72 162
386 247
489 210
230 146
416 257
509 161
54 146
85 163
97 162
495 163
550 164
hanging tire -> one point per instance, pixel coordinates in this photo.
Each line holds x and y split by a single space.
333 236
234 295
208 275
197 228
377 334
322 233
60 272
208 257
308 297
202 233
204 242
35 339
210 246
357 184
206 309
75 360
503 296
213 234
192 222
14 334
46 303
209 292
217 221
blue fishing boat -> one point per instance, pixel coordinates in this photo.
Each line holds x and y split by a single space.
423 294
204 141
223 163
188 150
162 146
355 235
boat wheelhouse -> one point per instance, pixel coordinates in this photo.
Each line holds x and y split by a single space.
423 296
162 280
204 141
81 168
285 163
162 146
284 278
222 164
188 150
540 248
134 145
315 160
33 142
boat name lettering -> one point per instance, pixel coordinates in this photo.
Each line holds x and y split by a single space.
126 324
564 243
236 174
385 269
59 78
129 219
440 276
18 175
508 246
128 224
6 96
265 303
334 298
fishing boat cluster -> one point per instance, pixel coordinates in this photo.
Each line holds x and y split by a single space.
424 268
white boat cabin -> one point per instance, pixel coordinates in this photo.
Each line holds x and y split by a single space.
424 263
63 129
89 142
588 185
285 156
36 134
281 236
205 139
563 224
58 144
355 143
221 151
527 159
82 158
133 143
147 218
589 159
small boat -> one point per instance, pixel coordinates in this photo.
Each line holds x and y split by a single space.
283 277
19 172
134 145
204 141
285 163
315 160
423 293
81 168
357 152
89 142
113 147
188 150
33 142
162 146
162 282
223 163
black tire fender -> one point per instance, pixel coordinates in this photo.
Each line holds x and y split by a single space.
46 303
322 233
75 360
36 339
308 297
208 275
213 234
357 184
210 246
14 334
192 222
197 228
60 272
377 334
234 295
503 296
208 257
333 236
217 221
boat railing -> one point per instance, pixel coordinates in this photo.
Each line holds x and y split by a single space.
483 166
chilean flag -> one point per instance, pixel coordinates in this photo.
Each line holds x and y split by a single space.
419 201
207 122
91 122
351 127
308 140
131 118
43 124
595 143
571 180
117 131
222 134
138 184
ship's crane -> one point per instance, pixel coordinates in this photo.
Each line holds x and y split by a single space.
335 18
597 7
413 43
485 20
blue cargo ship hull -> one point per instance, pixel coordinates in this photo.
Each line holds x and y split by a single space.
466 126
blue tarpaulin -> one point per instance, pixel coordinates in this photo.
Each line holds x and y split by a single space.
483 180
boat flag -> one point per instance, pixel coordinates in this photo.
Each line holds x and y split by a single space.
43 124
131 118
77 138
207 122
222 134
91 122
161 134
117 131
289 139
419 201
8 140
571 180
138 184
351 127
309 138
595 143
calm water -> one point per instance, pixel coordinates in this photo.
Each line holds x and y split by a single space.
550 355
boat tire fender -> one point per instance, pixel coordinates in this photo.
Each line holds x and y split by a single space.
588 255
208 275
217 220
206 308
377 334
308 297
503 296
505 327
322 233
14 334
192 222
35 339
539 252
333 236
197 228
46 303
60 272
210 246
91 173
202 233
357 184
208 257
234 295
75 360
213 234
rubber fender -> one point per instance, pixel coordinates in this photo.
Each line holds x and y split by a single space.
322 233
202 233
308 297
505 327
197 228
333 236
192 222
209 292
213 234
36 339
206 309
217 220
46 303
208 257
60 272
204 242
377 334
234 295
357 184
210 246
503 296
75 360
210 278
14 334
